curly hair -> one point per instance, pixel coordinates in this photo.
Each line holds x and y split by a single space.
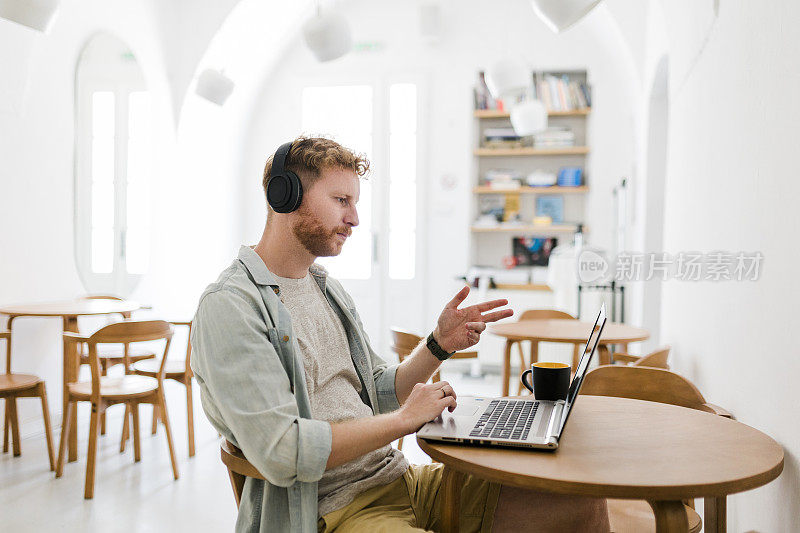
310 155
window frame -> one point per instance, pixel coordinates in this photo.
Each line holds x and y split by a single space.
119 281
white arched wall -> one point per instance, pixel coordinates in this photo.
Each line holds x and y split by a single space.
37 152
648 218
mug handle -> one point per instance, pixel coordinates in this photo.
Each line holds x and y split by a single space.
522 379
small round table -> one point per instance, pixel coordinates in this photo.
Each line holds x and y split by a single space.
565 331
69 311
627 449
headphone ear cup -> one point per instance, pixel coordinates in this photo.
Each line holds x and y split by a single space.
284 192
296 191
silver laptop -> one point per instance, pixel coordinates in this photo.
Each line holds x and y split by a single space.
517 423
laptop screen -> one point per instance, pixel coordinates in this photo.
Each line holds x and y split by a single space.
583 365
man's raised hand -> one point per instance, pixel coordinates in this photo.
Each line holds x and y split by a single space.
459 329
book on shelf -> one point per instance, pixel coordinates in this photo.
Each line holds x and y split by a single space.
551 206
554 137
558 91
561 93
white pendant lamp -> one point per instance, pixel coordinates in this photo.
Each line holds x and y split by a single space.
510 80
528 117
507 78
35 14
214 86
561 14
327 35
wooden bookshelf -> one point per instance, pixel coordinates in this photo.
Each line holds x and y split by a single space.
514 152
555 189
496 113
529 229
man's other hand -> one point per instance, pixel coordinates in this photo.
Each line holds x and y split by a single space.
426 402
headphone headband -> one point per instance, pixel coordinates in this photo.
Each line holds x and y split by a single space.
279 160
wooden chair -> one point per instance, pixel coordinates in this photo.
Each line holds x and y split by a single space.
104 391
113 355
404 342
13 386
657 359
539 314
238 467
177 370
650 384
653 385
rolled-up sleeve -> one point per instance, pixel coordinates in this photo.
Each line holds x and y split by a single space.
242 377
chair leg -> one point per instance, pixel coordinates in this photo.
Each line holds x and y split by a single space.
91 457
124 439
135 416
11 403
162 405
506 367
62 445
190 415
154 429
5 427
103 372
47 432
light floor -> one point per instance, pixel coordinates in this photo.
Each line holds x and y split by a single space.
141 497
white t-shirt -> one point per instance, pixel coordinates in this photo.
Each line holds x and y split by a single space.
333 388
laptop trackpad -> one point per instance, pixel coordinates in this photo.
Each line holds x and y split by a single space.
465 409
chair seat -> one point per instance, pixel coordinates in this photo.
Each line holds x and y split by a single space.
13 382
150 367
636 516
115 387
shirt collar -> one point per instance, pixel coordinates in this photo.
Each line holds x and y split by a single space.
261 274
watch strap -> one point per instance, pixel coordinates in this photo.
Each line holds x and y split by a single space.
437 350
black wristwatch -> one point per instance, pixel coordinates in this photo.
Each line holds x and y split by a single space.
437 350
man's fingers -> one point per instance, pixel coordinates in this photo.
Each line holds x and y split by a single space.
497 315
493 304
458 298
478 327
450 403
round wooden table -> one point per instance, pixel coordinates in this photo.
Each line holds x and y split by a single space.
69 311
627 449
565 331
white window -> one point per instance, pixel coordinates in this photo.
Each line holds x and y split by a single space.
345 113
402 180
113 152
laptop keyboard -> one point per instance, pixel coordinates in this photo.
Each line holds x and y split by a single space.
506 419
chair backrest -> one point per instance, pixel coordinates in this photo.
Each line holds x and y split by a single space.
238 467
540 314
643 383
125 333
403 342
657 359
187 361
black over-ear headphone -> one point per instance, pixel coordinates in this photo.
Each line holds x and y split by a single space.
284 190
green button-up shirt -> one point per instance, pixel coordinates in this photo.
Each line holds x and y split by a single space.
252 383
